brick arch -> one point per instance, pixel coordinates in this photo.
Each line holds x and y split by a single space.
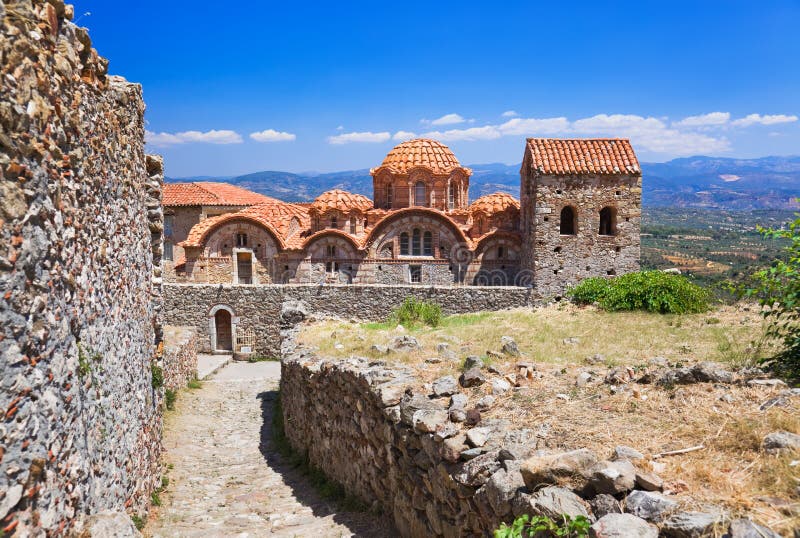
389 224
234 217
257 234
489 243
313 245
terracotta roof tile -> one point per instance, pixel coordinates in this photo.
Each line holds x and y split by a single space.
210 193
494 203
425 152
583 156
341 200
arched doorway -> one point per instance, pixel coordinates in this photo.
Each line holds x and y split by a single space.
222 321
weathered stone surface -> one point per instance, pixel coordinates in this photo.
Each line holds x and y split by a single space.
472 378
108 524
500 386
781 441
486 402
649 481
452 448
552 501
403 343
744 528
690 524
476 471
459 401
410 404
622 526
428 420
558 469
649 506
604 504
501 488
476 437
509 347
445 386
623 452
473 361
613 477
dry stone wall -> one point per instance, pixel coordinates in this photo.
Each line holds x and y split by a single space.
80 226
180 356
258 308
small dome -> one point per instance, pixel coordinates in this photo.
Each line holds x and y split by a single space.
342 201
431 154
494 203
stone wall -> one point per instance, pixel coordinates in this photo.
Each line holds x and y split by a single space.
80 225
179 357
257 308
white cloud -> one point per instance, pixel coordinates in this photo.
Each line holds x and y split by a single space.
447 119
213 136
404 135
704 120
534 126
487 132
271 135
367 136
767 119
510 114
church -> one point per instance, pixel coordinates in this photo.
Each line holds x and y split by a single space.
578 215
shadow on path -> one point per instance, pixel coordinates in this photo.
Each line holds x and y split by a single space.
362 524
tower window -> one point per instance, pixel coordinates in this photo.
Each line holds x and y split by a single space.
567 225
451 196
501 253
389 195
415 273
352 225
404 244
241 240
427 244
608 221
168 250
419 194
416 240
168 223
330 251
334 222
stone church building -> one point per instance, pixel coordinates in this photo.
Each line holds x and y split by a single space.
578 215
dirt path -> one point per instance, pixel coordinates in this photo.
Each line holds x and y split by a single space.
227 481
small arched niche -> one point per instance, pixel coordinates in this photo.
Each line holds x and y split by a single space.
568 222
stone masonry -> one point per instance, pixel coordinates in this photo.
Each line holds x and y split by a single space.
80 228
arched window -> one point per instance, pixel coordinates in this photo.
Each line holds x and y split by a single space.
404 244
427 244
567 225
353 225
334 222
416 240
419 194
608 221
241 240
330 251
501 253
389 196
451 196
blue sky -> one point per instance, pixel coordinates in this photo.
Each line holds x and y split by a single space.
304 86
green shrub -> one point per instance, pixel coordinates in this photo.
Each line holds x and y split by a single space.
653 291
170 396
138 522
155 499
777 289
194 384
526 526
414 312
158 375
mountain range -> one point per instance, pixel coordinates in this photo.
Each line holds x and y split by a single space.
697 182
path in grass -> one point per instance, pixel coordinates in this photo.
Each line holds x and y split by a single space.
226 479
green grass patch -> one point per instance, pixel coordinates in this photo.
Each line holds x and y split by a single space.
170 396
414 312
138 521
194 384
157 376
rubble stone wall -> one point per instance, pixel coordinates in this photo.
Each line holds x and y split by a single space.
80 227
258 308
352 421
180 356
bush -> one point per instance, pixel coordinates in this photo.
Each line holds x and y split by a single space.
526 526
157 376
777 289
413 312
170 396
654 291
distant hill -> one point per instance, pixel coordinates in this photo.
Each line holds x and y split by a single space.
698 182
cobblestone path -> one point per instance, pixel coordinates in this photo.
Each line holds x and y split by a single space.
225 479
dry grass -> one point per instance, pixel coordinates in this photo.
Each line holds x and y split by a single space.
731 470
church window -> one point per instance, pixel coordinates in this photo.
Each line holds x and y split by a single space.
352 225
567 224
451 196
404 244
416 240
419 194
334 222
389 196
427 244
608 221
241 240
330 251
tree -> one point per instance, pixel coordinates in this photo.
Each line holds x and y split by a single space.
778 291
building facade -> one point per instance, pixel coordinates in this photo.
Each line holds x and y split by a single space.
579 216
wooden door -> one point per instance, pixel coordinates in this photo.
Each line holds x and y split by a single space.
222 320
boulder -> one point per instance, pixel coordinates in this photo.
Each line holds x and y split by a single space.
472 378
380 349
404 343
744 528
476 437
622 526
552 501
445 386
649 481
293 312
509 346
457 414
649 506
500 490
500 386
452 448
711 372
410 404
428 420
558 469
458 401
605 504
613 477
486 402
473 361
623 452
690 524
477 471
781 441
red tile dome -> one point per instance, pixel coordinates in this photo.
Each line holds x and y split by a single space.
425 152
342 201
494 203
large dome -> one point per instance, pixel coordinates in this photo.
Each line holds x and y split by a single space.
342 201
424 152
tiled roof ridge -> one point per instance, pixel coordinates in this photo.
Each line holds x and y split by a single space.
583 156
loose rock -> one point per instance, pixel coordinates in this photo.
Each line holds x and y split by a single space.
649 506
472 378
622 526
